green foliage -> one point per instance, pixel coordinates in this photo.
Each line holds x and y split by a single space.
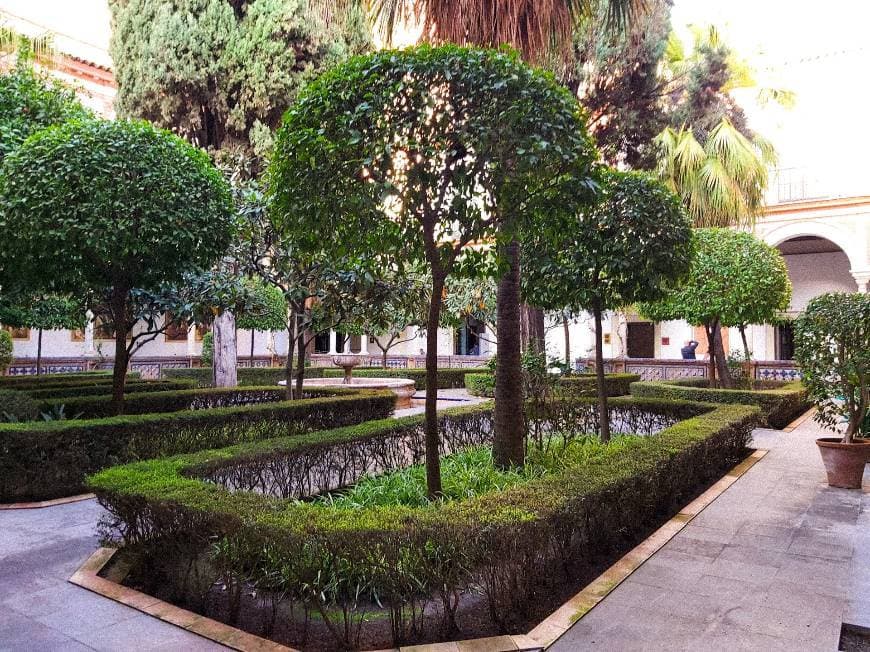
134 387
50 460
222 73
832 347
483 384
5 351
207 355
269 312
31 101
632 245
17 406
779 405
58 381
735 279
96 205
44 313
404 557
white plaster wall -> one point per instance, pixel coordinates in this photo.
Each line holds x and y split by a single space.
815 274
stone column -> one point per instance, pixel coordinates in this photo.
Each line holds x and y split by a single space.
863 280
89 335
333 343
363 344
191 340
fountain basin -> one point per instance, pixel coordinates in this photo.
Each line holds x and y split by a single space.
403 388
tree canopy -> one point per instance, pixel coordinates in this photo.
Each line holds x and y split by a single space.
411 155
633 244
111 209
221 73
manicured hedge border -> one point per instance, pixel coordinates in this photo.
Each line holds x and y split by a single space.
779 407
248 376
134 387
42 460
100 406
483 384
503 544
84 379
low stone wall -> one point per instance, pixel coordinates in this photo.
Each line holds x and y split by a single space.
658 369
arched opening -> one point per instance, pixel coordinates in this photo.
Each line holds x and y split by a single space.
815 265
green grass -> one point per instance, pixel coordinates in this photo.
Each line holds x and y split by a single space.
471 473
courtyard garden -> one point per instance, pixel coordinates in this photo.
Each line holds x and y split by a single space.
400 188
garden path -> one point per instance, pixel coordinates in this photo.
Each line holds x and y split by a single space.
777 562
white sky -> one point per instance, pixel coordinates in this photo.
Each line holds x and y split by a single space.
818 51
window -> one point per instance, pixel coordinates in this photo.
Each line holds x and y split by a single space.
321 342
467 341
18 333
785 342
176 332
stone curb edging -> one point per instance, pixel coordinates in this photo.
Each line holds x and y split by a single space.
87 577
554 626
541 637
47 503
800 420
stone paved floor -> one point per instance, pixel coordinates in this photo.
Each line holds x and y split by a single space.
41 611
778 562
447 398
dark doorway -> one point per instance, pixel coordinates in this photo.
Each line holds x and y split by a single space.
321 342
785 342
641 339
467 340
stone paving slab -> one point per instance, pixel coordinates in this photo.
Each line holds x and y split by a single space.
41 611
778 562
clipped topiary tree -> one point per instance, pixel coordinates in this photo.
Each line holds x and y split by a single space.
44 313
111 208
735 279
412 155
268 314
633 244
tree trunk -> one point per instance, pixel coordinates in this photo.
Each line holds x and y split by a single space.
534 329
288 365
567 340
725 379
711 356
384 358
509 439
119 369
603 415
39 352
225 361
252 348
433 439
300 364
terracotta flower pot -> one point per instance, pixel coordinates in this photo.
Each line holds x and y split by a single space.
844 463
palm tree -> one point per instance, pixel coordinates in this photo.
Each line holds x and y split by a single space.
534 27
721 184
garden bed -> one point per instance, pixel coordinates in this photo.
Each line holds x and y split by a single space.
247 376
42 460
483 384
51 381
780 402
235 534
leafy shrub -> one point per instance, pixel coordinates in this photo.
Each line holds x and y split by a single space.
248 376
507 545
483 384
17 406
779 406
832 347
52 381
206 357
448 378
48 460
5 351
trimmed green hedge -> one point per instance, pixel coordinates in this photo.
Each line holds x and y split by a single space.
779 406
99 406
52 381
483 384
41 460
134 387
513 547
248 376
448 377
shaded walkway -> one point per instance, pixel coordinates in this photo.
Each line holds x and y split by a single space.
778 562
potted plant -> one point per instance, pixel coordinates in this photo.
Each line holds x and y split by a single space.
832 347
